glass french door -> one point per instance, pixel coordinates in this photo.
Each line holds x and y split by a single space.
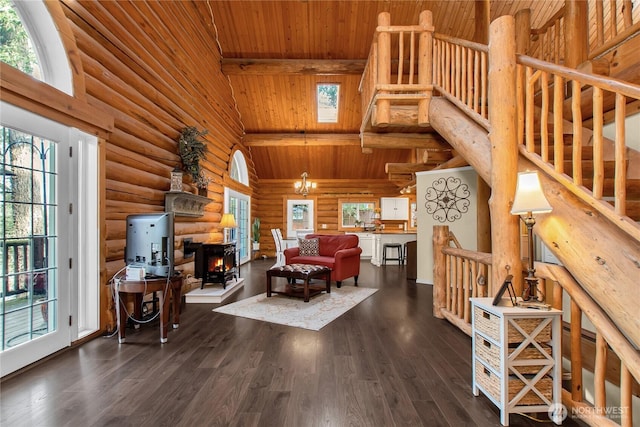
239 205
34 292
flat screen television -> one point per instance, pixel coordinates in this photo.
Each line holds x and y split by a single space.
150 243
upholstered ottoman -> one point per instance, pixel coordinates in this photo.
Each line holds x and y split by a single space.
304 272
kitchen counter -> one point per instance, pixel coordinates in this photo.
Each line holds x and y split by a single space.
394 232
382 237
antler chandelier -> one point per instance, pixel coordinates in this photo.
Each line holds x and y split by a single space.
304 187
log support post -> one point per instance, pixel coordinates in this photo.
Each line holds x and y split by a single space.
505 228
483 19
523 30
383 106
425 68
440 241
576 34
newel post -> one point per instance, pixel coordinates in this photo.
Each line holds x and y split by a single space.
425 65
383 106
505 228
440 241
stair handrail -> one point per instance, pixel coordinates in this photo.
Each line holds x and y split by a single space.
536 79
547 42
460 274
608 335
460 75
605 30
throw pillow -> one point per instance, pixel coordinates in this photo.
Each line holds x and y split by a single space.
309 247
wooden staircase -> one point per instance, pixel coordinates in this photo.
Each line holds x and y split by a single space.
587 168
593 186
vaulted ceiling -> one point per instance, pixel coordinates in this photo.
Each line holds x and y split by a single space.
275 52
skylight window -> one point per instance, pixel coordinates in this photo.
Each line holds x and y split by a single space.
327 95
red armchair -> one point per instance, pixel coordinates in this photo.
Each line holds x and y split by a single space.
339 252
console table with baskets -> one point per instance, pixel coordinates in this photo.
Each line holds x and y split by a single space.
517 357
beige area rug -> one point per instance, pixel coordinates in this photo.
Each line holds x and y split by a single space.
314 315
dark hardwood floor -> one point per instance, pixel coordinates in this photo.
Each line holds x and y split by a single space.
387 362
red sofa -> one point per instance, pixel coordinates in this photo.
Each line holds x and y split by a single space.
339 252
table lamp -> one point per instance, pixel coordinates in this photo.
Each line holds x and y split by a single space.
227 222
529 200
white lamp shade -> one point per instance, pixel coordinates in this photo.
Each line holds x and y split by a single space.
529 196
228 221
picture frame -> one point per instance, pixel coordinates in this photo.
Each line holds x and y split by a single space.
507 285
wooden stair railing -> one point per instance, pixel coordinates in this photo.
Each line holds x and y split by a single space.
461 76
541 99
460 274
607 28
608 337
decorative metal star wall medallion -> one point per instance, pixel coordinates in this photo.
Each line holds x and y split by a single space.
447 199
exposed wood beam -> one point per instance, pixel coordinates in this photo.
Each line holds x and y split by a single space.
300 139
406 168
404 140
243 66
456 162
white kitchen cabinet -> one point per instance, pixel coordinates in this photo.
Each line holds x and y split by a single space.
379 239
394 208
366 244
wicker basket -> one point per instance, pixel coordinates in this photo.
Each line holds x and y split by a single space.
488 352
489 381
544 386
487 323
528 325
531 353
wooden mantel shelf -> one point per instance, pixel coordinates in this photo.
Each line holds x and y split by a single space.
182 203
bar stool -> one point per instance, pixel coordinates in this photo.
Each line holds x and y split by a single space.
397 247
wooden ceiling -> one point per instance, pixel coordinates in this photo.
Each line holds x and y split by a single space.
275 52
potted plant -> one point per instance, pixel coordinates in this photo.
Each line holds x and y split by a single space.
255 231
192 150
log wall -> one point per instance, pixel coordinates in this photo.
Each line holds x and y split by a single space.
155 81
152 81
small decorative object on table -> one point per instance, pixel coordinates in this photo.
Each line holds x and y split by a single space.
176 179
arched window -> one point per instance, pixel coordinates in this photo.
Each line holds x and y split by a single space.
239 171
52 65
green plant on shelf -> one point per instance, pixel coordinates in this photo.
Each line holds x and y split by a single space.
192 149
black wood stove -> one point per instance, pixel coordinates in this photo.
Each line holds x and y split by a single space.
216 263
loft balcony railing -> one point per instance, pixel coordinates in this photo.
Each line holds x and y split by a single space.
398 71
609 23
